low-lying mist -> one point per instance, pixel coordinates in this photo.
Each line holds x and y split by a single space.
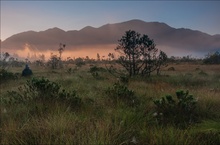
32 53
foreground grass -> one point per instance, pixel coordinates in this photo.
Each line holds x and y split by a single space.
101 121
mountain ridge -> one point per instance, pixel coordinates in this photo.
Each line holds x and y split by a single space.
163 35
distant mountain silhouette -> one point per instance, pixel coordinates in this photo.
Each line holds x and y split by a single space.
163 35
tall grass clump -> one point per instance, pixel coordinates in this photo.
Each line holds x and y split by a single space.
187 80
207 132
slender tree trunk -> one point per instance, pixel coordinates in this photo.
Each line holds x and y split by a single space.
130 65
133 64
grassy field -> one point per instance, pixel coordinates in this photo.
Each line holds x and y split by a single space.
102 118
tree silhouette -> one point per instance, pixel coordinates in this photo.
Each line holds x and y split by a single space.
138 54
61 49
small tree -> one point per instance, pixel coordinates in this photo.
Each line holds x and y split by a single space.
54 61
138 54
162 59
60 50
98 57
79 62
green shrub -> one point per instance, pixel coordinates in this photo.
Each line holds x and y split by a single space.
41 89
70 98
79 62
119 92
180 111
94 71
5 75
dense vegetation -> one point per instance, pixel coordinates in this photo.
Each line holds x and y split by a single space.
212 58
84 101
89 106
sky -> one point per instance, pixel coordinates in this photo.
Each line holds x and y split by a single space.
20 16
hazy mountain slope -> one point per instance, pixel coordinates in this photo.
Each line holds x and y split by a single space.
163 35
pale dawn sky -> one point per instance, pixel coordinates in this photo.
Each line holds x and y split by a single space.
20 16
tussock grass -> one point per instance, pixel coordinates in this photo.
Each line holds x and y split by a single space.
99 121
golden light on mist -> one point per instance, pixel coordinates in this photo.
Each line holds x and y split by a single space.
29 52
32 53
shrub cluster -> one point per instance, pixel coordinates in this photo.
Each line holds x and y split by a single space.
5 75
119 92
94 71
79 62
177 112
41 89
213 58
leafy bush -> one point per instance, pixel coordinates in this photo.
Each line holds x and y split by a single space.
5 75
70 98
177 112
120 92
79 62
42 90
94 71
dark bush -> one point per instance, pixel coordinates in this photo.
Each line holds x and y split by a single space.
43 90
79 62
5 75
179 112
213 58
94 70
119 92
70 98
